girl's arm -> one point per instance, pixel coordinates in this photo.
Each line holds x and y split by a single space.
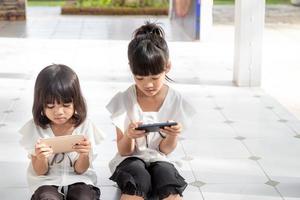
40 166
83 161
168 144
126 141
40 159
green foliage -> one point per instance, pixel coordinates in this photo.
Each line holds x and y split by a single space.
45 3
123 3
267 1
278 1
103 3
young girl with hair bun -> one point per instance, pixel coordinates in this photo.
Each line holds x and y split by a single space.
141 168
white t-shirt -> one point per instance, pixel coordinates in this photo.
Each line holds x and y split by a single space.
124 108
61 170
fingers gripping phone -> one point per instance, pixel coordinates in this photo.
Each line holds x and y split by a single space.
154 127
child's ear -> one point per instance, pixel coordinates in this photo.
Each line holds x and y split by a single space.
168 67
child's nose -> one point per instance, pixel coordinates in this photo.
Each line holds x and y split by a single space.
149 84
58 110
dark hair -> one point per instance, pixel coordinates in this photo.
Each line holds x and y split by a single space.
57 83
148 52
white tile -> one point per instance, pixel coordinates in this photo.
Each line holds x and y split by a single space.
215 148
282 169
14 193
227 171
208 116
15 149
294 126
290 191
211 130
106 150
110 193
13 174
262 129
247 112
103 173
192 192
275 147
239 192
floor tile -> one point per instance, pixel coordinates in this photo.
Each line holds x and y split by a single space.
227 171
239 191
215 148
9 193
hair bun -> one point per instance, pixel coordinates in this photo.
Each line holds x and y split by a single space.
149 29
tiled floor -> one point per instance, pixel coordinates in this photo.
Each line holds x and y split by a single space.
48 23
243 144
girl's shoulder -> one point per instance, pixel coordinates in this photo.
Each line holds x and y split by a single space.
29 124
30 127
183 105
30 134
129 92
120 100
174 95
88 128
84 126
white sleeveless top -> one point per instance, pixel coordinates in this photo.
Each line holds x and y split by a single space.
61 170
124 108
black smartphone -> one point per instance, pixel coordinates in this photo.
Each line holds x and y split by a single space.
155 126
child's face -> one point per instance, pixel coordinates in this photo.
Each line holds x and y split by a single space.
150 85
59 114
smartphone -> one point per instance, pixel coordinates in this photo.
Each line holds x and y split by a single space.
63 144
155 126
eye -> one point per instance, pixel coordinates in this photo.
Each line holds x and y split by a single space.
155 78
50 106
139 78
67 104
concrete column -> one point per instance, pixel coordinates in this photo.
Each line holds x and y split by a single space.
170 14
249 26
12 10
206 19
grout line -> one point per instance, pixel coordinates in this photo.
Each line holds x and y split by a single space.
249 151
286 124
190 164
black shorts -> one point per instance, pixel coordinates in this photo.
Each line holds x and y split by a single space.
158 179
76 191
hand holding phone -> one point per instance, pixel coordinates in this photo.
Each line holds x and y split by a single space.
83 147
42 150
155 127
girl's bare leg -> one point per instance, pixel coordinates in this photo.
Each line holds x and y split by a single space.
174 197
130 197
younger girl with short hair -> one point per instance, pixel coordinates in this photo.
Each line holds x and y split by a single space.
59 109
141 167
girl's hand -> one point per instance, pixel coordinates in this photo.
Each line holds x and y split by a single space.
83 147
132 133
172 131
42 151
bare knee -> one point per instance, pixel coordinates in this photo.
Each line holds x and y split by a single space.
130 197
173 197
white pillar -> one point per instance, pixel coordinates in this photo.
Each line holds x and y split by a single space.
249 26
206 19
170 14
